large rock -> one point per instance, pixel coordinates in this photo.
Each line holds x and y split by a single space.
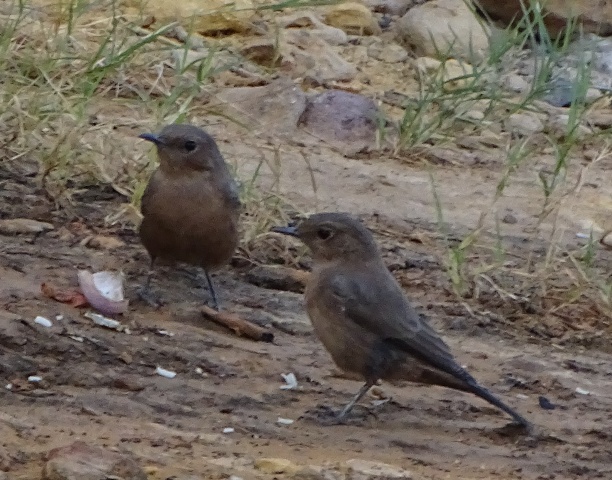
347 121
444 28
205 17
354 18
307 56
593 16
80 461
277 107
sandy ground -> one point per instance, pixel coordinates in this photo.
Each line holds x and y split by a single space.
99 385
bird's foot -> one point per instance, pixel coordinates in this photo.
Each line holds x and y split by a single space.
327 416
150 298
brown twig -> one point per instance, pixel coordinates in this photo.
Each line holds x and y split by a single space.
239 326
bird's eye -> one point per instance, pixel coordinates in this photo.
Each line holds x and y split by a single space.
190 145
324 233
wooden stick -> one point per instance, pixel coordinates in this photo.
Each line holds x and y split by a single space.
239 326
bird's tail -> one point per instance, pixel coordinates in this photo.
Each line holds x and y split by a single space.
483 393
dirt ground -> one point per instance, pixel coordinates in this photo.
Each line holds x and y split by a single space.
100 385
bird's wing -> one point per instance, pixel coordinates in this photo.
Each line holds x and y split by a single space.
379 305
145 200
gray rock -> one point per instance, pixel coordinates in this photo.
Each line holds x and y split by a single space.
346 120
366 470
446 29
275 107
523 124
80 461
314 59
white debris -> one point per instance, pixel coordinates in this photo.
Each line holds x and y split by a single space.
382 401
583 235
9 386
166 333
104 291
291 381
228 430
582 391
284 421
45 322
104 322
59 318
165 373
77 339
199 371
522 396
34 379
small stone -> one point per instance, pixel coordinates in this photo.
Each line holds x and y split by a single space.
352 17
592 95
454 73
606 240
515 83
523 124
387 52
13 226
366 470
278 105
103 242
80 461
475 115
390 7
559 127
205 18
509 219
276 465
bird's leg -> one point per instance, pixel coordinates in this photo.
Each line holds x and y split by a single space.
362 391
145 293
211 289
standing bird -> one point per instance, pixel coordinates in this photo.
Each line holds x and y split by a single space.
190 206
360 314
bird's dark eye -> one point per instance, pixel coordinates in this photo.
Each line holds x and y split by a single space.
190 145
324 233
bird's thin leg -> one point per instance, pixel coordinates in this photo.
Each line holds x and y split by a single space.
349 406
211 289
145 292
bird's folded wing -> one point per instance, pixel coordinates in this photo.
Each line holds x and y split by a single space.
381 307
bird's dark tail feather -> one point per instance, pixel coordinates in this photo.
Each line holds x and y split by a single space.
493 400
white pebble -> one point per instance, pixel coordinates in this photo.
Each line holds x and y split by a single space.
34 379
45 322
165 373
228 430
522 396
582 391
291 381
9 386
284 421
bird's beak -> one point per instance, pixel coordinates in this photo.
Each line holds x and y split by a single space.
291 231
150 137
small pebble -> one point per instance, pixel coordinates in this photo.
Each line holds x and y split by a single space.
546 404
228 430
45 322
34 379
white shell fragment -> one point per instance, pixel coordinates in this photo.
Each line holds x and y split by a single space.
291 381
284 421
582 391
34 379
165 373
45 322
105 322
228 430
165 333
104 291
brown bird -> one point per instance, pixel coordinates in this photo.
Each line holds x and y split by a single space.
190 206
362 317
